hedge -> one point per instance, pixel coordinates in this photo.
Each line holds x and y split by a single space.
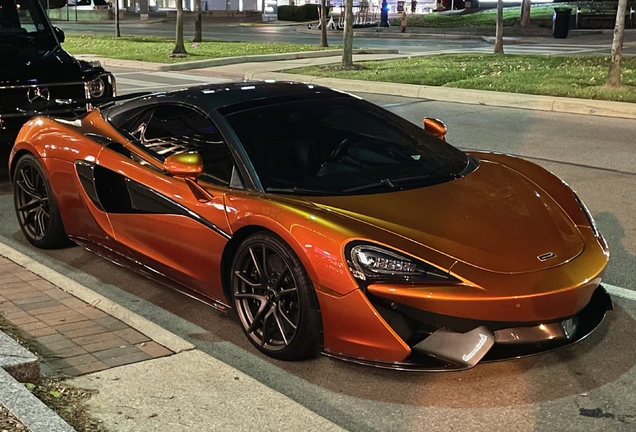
306 12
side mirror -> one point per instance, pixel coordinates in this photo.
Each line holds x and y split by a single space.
435 127
59 33
182 165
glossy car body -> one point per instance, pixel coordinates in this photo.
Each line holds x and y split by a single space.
499 259
35 71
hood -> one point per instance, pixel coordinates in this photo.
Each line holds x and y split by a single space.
31 66
494 218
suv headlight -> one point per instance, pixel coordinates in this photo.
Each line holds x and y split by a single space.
368 262
96 88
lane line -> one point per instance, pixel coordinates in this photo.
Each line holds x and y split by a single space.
134 82
127 88
620 292
179 76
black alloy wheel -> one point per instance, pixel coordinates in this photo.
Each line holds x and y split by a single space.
274 298
35 205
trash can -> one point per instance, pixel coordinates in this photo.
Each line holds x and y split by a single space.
561 22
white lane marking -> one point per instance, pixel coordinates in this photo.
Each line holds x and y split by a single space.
149 83
133 82
183 76
620 292
129 85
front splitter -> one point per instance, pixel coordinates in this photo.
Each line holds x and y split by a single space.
447 355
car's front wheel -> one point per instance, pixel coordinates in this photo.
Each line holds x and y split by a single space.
274 298
35 205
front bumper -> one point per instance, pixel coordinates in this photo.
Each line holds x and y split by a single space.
439 349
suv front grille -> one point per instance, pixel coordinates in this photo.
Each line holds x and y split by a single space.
12 98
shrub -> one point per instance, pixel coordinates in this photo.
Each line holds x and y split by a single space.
306 12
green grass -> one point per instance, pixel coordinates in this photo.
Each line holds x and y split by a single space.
566 76
156 49
485 18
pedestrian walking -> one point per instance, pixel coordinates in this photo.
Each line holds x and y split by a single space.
413 6
403 20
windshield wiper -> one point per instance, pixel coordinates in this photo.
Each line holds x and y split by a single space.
428 178
301 191
383 182
391 183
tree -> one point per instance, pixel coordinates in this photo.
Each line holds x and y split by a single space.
117 32
347 37
323 24
525 13
614 74
198 36
499 29
179 49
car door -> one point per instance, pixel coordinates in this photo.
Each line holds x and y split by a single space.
166 224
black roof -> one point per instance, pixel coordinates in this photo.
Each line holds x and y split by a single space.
226 96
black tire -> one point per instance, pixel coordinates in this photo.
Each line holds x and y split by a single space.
35 205
274 298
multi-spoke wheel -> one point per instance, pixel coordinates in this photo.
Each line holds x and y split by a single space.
35 205
274 298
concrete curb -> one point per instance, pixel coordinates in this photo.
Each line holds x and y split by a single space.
28 409
475 97
277 24
17 361
153 331
200 64
391 35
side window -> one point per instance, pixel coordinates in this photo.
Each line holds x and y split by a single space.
174 129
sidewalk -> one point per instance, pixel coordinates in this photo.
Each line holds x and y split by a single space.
146 378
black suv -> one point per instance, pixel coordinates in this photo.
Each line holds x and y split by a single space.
36 75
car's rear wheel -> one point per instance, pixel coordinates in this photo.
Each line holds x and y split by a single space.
35 205
274 298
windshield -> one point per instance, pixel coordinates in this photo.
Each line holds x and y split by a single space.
23 26
341 146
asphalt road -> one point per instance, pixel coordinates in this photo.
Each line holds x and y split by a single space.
586 387
584 43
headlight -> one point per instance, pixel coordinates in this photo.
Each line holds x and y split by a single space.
369 262
96 88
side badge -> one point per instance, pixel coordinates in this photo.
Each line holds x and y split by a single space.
546 256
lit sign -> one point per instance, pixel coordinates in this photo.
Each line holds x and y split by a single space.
270 9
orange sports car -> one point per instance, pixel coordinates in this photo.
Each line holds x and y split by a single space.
328 224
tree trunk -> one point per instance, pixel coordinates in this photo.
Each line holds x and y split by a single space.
499 29
179 49
347 36
525 13
323 23
614 74
198 37
117 32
